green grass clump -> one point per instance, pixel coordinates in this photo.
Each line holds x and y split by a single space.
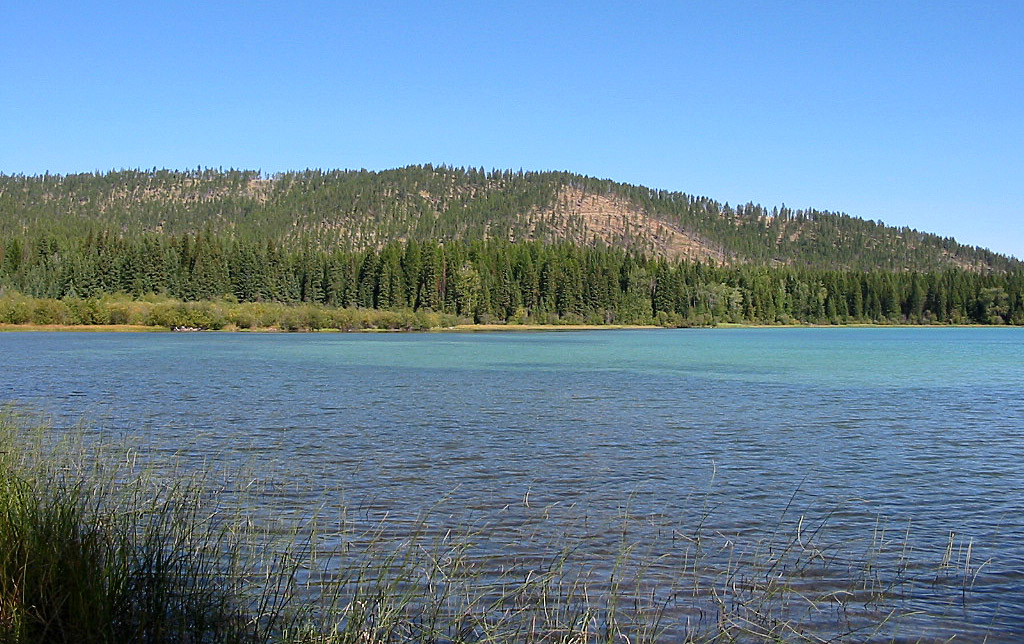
88 554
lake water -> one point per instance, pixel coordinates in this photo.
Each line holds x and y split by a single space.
911 440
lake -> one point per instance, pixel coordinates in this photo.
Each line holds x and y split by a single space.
904 444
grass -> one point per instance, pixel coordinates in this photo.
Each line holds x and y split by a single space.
88 554
98 546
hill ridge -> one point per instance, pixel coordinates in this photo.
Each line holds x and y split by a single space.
359 209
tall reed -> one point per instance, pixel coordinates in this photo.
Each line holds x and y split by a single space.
93 552
95 546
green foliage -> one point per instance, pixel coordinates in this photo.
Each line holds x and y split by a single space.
211 248
525 282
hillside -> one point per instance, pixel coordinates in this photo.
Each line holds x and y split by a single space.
501 246
361 210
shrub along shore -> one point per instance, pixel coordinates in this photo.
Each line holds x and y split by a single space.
156 313
122 313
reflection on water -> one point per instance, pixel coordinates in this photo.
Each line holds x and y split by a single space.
742 432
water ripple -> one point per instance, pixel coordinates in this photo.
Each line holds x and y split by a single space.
919 431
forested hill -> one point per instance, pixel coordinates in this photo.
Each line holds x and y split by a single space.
361 210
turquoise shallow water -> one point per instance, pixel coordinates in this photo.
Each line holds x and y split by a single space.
742 429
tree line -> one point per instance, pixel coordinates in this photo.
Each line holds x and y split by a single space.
496 281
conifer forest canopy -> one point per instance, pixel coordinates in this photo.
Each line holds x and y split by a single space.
493 246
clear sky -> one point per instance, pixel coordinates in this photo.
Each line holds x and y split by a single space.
908 112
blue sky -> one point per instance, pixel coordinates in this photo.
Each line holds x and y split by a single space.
908 112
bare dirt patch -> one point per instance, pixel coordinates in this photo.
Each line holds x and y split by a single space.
586 218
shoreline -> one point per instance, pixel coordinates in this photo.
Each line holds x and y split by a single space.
460 328
488 328
109 328
472 328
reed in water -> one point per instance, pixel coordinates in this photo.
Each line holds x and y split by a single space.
96 545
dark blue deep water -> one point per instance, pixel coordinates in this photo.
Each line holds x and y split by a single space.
917 434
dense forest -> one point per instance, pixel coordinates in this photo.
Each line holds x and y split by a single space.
491 247
499 281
